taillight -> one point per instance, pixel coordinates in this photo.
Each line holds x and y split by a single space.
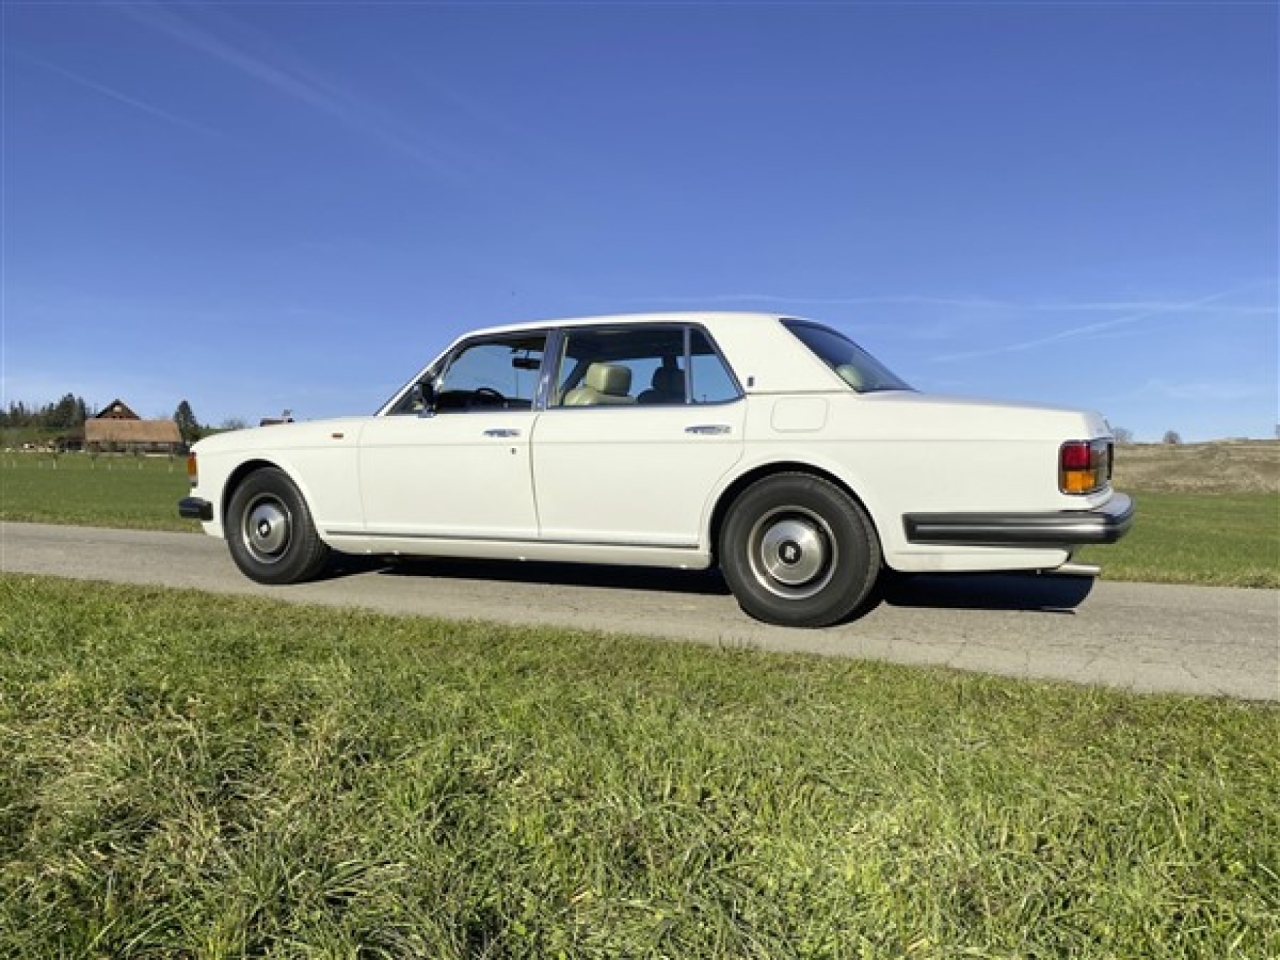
192 472
1084 466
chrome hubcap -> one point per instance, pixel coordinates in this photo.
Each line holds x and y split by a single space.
266 529
792 553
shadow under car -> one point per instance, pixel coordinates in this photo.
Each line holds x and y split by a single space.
1031 592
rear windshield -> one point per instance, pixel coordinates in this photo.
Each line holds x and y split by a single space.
854 365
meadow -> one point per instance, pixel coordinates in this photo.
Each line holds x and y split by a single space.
1208 513
183 775
192 776
104 491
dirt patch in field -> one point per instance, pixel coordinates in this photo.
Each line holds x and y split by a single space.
1245 466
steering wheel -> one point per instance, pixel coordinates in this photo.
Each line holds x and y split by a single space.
489 395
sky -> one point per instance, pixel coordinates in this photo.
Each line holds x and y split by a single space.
267 206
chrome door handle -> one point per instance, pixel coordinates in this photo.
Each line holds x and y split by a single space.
709 429
503 433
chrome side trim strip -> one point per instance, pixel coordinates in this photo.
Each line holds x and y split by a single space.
453 538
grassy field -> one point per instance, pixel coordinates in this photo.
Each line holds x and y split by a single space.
191 776
1209 513
1229 540
1230 467
107 491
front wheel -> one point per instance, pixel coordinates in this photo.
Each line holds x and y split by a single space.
270 532
797 551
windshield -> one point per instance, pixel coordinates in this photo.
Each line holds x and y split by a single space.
854 365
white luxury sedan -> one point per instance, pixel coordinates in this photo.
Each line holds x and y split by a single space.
772 447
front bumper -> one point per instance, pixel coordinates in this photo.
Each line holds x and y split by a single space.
1107 524
193 508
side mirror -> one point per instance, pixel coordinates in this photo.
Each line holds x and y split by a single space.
424 398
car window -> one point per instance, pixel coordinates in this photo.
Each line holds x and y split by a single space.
863 372
711 379
491 374
641 366
487 374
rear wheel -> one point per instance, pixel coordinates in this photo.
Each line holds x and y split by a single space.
270 532
797 551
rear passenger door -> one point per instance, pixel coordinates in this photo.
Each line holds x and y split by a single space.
636 468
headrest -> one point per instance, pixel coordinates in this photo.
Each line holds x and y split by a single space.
668 380
609 378
850 375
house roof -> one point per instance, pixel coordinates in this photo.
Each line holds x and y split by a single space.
117 409
108 430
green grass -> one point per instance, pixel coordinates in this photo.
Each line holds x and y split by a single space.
1230 540
190 776
106 491
1221 539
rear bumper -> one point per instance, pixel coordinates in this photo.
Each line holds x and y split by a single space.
1060 528
193 508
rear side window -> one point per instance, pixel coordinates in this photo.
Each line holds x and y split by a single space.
711 379
863 372
641 365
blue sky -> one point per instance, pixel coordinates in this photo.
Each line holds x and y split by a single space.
266 206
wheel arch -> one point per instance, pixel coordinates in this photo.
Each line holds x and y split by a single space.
721 510
284 545
243 470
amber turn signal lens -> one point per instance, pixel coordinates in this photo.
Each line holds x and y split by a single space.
1080 481
191 469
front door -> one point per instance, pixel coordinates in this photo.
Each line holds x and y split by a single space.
459 469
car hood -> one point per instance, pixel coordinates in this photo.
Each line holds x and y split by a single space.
277 436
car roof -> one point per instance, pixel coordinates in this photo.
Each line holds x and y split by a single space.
764 356
712 318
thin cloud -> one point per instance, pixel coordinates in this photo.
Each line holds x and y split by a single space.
290 78
978 303
1156 305
904 299
111 93
1204 391
1092 329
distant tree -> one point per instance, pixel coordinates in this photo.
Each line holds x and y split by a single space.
233 423
1123 435
1172 436
60 417
188 425
65 414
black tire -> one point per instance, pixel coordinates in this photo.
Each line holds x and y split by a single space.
270 531
797 551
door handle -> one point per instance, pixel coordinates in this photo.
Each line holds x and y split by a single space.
502 433
709 429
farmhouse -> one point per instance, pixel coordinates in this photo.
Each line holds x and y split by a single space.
117 429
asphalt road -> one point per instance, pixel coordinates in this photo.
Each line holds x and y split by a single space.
1144 637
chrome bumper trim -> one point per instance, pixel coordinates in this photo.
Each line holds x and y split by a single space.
1106 524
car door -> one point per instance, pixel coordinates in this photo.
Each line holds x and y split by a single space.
460 467
635 467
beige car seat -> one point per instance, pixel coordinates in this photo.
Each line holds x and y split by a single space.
668 387
605 383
